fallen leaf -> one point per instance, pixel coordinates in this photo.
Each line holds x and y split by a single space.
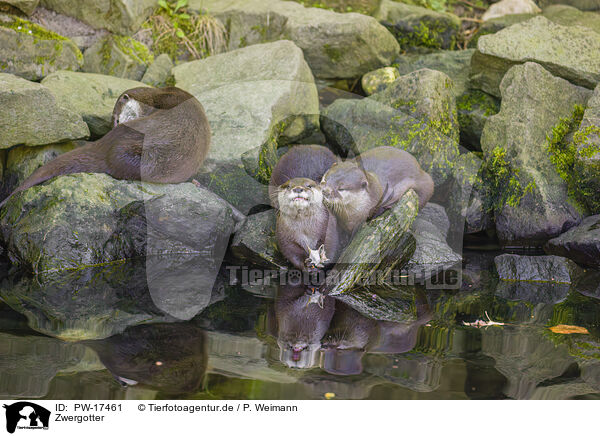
329 395
565 329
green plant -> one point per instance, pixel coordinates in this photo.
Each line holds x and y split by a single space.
182 34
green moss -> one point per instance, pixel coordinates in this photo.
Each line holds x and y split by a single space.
333 53
501 182
133 49
567 156
38 32
474 100
432 34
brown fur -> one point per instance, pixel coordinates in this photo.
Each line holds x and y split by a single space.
166 144
364 187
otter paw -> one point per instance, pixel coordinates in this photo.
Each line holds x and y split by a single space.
314 259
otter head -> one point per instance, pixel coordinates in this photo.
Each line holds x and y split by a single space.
142 101
299 196
351 193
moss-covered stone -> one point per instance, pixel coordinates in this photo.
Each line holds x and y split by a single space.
376 81
532 203
474 109
159 71
32 52
415 26
25 6
119 56
31 115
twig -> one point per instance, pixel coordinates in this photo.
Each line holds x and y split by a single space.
472 5
474 20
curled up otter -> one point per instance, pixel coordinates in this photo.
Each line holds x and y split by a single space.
158 135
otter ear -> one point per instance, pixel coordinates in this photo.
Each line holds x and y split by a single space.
125 97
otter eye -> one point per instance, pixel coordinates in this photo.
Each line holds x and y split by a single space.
364 184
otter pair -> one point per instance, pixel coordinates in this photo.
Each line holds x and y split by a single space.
158 135
315 218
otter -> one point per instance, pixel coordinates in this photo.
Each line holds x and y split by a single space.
308 161
306 232
364 187
158 135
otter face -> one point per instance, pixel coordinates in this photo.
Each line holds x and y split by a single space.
346 184
299 196
131 106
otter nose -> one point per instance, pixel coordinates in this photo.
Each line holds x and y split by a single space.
298 190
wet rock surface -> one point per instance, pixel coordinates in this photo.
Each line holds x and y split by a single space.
581 243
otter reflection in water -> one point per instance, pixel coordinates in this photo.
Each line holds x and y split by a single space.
170 358
336 336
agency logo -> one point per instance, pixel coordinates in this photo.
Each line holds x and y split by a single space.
26 415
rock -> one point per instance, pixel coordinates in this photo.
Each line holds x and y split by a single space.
586 170
25 6
119 56
21 161
495 25
159 71
32 52
100 301
415 26
432 253
81 220
376 81
572 53
581 243
77 31
255 99
582 5
122 17
382 245
569 16
415 113
536 206
336 46
478 218
510 7
255 242
31 115
93 96
474 109
551 269
456 64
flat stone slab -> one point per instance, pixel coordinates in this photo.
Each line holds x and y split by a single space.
553 269
570 52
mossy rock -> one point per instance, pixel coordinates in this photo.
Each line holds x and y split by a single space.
416 113
32 52
122 17
378 80
415 26
25 6
159 72
93 96
456 64
582 5
474 109
335 45
82 220
256 98
533 203
570 16
21 161
120 56
572 53
31 115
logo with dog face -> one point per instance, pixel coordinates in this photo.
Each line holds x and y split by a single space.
26 415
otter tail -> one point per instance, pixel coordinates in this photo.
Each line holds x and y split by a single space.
81 160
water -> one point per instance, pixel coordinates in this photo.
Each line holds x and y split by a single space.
113 333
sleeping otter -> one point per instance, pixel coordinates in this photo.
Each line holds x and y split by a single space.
159 135
364 187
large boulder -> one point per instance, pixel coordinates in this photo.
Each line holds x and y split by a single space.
581 243
416 113
32 52
31 115
159 71
582 5
82 220
570 16
551 269
123 17
255 98
335 45
120 56
534 205
572 53
93 96
415 26
456 64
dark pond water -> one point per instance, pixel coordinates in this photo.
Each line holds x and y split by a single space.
142 332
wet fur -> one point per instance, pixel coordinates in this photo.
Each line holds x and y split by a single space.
166 144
